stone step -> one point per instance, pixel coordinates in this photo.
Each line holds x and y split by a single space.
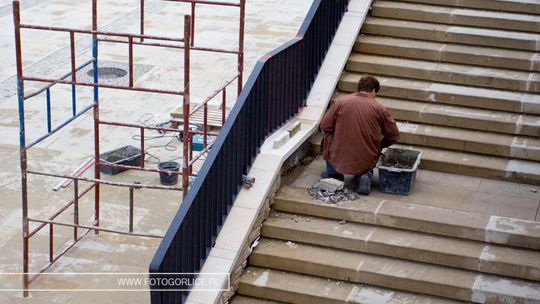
420 247
451 33
497 144
436 92
448 52
414 217
392 273
518 6
470 164
456 16
445 72
304 289
457 116
249 300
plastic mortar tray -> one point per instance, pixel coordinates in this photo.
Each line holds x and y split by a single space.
397 170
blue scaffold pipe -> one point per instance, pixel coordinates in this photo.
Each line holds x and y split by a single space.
73 100
37 141
62 78
95 66
48 97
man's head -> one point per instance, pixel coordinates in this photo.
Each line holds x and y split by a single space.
368 84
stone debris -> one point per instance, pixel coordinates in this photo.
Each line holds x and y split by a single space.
533 190
344 194
342 222
331 184
291 244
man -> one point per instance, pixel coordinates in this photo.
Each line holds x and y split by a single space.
355 130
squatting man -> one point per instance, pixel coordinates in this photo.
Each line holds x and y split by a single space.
355 129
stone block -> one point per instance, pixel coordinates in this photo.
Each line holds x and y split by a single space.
331 184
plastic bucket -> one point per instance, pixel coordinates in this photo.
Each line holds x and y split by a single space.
166 178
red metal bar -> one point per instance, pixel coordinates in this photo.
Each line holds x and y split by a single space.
130 62
51 242
241 46
102 85
75 208
142 19
72 47
185 169
139 126
142 147
130 125
130 209
94 228
96 32
214 94
207 2
109 182
195 48
193 23
193 160
56 258
22 152
190 168
84 166
60 211
139 168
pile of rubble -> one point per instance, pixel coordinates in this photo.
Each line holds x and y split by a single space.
331 190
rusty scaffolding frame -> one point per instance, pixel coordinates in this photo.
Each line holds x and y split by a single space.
187 43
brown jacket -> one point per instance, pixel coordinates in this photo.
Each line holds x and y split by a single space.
357 127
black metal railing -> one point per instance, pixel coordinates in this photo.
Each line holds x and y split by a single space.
275 90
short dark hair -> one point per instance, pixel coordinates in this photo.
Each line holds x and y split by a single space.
368 84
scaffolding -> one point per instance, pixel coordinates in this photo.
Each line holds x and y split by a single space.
187 43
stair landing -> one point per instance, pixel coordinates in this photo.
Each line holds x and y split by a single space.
451 191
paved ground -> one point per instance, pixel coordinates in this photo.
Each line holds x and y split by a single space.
268 25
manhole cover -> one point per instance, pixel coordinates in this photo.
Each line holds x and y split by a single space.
108 73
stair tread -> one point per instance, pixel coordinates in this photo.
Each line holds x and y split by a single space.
446 72
403 244
448 52
436 92
451 33
453 15
498 144
297 287
388 272
463 117
414 217
519 6
237 299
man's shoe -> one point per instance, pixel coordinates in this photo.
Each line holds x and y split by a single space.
338 176
364 185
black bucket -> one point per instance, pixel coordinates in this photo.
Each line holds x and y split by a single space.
166 178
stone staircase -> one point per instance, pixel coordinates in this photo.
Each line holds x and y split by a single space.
462 80
380 251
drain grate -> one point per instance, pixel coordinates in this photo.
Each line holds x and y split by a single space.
108 73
